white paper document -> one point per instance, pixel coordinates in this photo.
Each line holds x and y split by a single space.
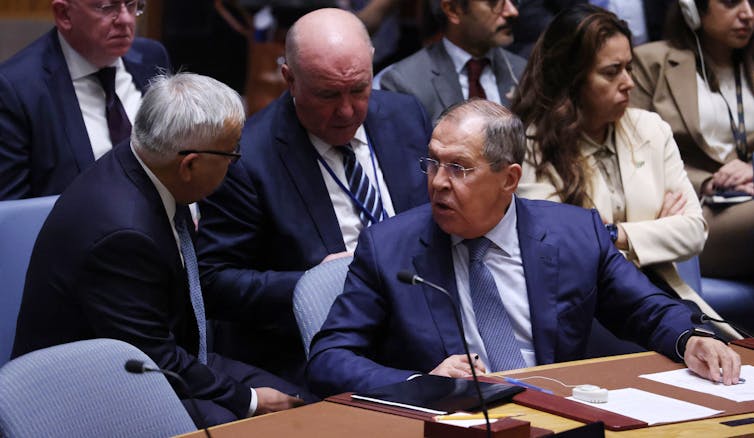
688 380
650 408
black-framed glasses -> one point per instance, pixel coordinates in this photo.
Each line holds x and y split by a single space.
430 166
112 9
497 6
234 156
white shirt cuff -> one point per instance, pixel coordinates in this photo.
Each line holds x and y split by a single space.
253 402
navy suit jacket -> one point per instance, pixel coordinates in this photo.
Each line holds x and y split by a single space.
381 331
106 265
272 219
43 139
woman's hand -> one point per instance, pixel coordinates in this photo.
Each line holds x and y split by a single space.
672 204
732 174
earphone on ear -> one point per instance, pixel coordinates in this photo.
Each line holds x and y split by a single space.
690 14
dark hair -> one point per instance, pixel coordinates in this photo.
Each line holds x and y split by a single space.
548 96
504 139
680 36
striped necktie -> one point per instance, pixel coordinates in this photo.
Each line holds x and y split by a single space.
492 320
362 190
192 272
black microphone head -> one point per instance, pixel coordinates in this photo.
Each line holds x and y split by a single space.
135 366
407 277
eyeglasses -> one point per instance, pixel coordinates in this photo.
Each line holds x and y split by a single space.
112 9
497 6
430 166
234 156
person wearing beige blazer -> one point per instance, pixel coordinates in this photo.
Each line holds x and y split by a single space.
622 162
668 82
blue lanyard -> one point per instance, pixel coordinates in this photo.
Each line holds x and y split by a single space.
347 191
739 132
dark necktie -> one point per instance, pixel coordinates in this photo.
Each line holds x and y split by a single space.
192 272
361 189
492 320
117 120
474 71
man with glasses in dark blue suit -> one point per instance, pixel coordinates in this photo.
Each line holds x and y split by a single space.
72 94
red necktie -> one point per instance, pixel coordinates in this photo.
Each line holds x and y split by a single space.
117 120
474 71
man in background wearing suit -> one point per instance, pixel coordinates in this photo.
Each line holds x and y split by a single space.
289 205
115 259
54 107
528 276
468 62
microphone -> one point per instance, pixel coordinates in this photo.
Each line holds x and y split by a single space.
409 277
703 318
136 366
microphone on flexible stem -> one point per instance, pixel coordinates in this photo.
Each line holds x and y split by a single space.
411 278
139 367
703 318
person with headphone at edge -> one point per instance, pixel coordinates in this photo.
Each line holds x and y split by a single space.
700 80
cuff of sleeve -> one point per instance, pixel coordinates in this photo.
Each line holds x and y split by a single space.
413 376
253 402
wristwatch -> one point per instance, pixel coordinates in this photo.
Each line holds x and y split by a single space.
612 229
680 346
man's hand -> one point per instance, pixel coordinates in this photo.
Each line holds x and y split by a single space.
457 366
272 400
707 357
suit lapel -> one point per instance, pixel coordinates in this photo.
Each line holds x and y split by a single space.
140 72
435 263
540 261
60 88
387 146
299 157
505 83
681 76
444 77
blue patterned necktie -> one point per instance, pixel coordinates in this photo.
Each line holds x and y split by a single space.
195 289
360 187
117 120
492 320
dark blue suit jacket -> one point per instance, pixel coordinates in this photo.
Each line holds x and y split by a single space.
272 219
106 265
381 331
43 139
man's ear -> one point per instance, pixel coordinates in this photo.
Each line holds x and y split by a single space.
512 177
452 10
287 73
61 14
186 167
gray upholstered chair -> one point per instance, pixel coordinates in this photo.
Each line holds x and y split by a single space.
82 389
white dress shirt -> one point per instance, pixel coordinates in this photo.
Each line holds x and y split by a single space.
91 96
345 210
488 81
503 259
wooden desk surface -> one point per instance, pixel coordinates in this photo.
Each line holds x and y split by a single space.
332 420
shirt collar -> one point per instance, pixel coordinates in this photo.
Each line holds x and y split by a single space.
324 148
78 66
168 201
591 147
504 235
459 56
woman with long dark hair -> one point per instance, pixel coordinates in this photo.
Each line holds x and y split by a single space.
700 80
587 148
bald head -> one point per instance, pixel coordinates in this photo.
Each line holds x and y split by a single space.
328 70
324 33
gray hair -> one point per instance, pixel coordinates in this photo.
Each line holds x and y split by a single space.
184 111
504 135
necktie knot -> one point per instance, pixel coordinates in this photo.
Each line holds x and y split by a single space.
346 151
477 248
106 77
474 69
